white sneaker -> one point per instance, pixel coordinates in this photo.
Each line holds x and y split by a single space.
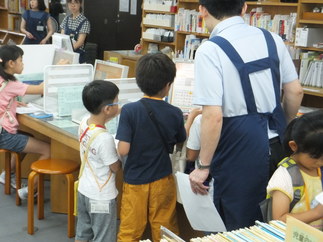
3 177
23 193
13 179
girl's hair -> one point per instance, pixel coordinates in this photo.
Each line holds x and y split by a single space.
9 53
307 132
41 5
77 1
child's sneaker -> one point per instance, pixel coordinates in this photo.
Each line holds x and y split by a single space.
13 179
23 193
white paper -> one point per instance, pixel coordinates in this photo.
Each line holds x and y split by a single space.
319 198
199 209
28 109
133 7
124 6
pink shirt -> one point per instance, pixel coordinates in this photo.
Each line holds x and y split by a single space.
12 90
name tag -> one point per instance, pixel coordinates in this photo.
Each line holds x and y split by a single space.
40 28
100 206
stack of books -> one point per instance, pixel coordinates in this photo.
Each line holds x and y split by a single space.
274 231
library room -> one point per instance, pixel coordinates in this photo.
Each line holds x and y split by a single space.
209 115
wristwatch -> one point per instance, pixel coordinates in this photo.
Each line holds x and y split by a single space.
200 166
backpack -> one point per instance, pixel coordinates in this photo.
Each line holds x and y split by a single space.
298 188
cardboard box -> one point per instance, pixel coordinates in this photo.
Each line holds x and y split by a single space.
307 37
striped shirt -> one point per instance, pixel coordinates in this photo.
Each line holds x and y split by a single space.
73 23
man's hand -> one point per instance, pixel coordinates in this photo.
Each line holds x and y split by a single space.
197 177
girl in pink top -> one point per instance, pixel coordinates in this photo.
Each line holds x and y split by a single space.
10 138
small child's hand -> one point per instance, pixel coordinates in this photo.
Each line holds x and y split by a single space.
63 62
319 210
21 104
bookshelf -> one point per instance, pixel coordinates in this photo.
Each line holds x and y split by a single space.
312 96
10 14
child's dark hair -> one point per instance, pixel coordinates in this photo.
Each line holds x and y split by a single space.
307 132
41 5
223 8
9 53
77 1
97 94
154 72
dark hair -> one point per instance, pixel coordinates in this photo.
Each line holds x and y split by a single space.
9 53
223 8
97 94
77 1
154 72
41 5
307 132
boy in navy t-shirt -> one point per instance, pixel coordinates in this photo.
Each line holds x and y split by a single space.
149 191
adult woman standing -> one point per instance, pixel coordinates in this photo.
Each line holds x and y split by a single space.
77 26
36 23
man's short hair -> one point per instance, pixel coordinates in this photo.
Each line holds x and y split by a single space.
154 72
97 94
223 8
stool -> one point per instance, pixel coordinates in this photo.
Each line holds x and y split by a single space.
51 167
7 165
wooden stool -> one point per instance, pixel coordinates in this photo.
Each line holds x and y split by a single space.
51 167
7 165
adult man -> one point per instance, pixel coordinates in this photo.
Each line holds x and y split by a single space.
239 76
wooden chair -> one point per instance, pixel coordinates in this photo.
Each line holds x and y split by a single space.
51 167
7 190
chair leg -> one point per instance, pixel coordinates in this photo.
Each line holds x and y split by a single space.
70 206
40 197
18 178
7 186
31 179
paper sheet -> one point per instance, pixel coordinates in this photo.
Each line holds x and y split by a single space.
124 6
199 209
28 109
133 7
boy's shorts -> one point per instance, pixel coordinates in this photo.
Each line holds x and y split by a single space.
14 142
95 226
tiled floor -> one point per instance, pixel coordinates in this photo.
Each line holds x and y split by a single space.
13 221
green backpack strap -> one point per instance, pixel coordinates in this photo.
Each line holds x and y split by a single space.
297 180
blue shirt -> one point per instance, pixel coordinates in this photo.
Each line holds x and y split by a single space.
217 81
148 159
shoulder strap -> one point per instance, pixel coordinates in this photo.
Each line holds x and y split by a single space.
84 158
7 111
85 161
297 179
155 122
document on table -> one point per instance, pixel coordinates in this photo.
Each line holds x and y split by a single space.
28 109
199 209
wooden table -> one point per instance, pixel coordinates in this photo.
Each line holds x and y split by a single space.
65 145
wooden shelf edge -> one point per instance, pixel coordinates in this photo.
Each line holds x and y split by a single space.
311 1
195 33
313 91
157 26
155 11
268 3
159 42
15 13
310 48
3 8
306 21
